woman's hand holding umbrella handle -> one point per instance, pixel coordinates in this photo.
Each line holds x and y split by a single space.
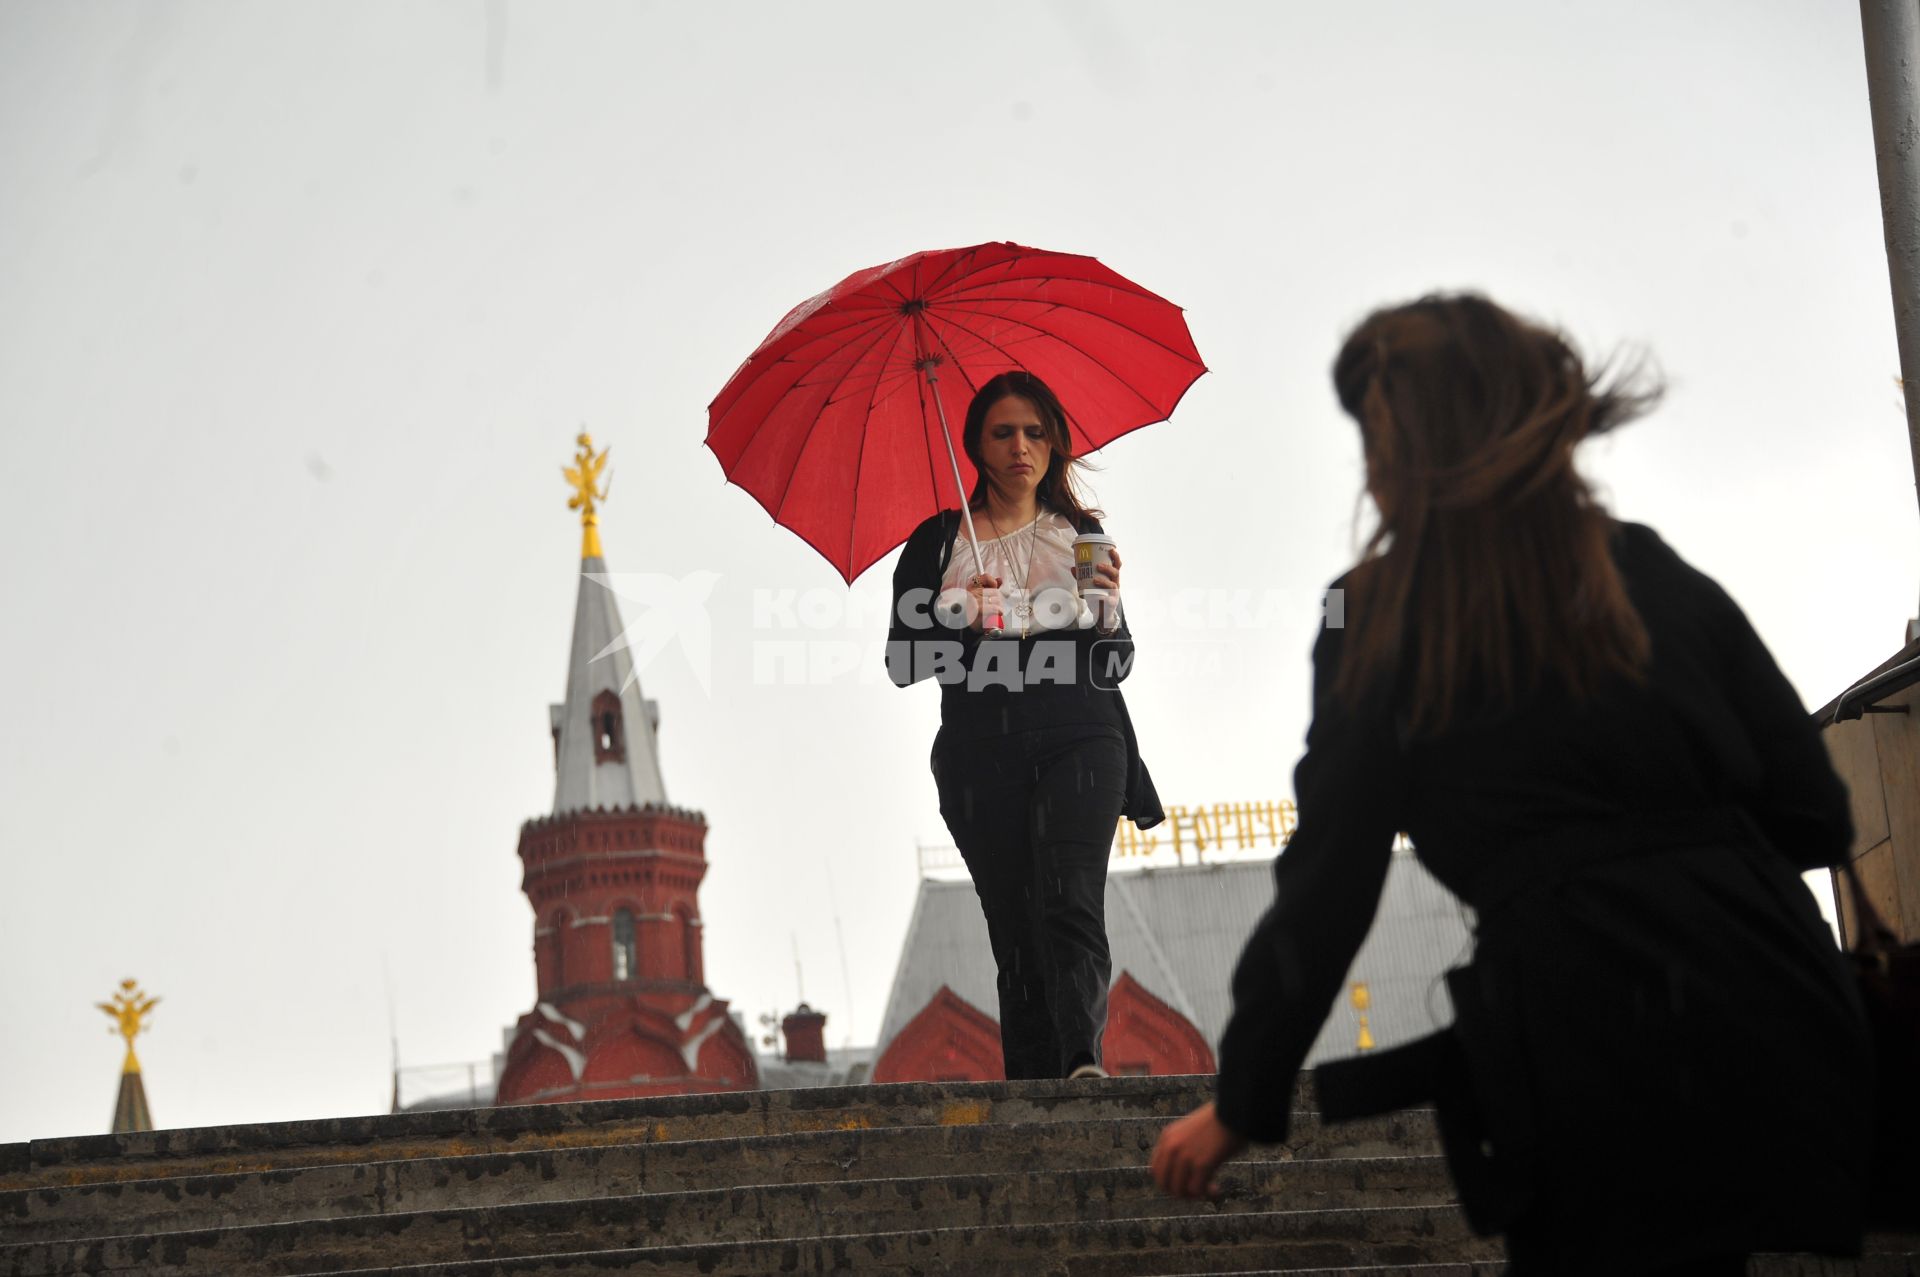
985 592
1191 1150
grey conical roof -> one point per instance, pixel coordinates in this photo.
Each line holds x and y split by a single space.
130 1111
584 783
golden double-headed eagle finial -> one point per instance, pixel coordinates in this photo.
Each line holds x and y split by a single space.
130 1008
1362 1002
584 476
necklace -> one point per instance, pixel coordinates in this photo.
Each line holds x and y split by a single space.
1023 606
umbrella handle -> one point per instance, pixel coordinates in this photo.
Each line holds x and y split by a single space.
946 437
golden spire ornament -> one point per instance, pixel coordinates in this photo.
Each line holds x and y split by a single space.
130 1009
1362 1000
584 476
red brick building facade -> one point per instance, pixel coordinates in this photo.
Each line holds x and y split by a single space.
951 1040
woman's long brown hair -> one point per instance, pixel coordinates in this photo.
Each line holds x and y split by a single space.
1490 568
1058 486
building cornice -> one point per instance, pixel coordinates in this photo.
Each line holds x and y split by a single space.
604 815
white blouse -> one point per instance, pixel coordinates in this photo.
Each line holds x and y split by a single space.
1035 565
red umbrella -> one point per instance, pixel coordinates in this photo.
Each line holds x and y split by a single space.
838 423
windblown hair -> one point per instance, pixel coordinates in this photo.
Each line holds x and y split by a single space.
1490 568
1058 486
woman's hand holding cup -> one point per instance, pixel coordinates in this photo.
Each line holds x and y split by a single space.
1097 574
1106 575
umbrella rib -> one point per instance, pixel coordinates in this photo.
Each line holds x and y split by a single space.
847 333
801 452
958 366
1077 349
1119 283
935 282
866 430
1072 421
1082 310
963 263
1004 354
887 280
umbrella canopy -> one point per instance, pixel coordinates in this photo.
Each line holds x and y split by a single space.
833 423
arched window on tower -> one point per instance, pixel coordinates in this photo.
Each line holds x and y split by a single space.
609 733
623 955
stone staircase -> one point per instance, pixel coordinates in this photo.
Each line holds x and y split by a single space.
1025 1179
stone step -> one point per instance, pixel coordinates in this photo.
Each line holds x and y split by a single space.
1875 1263
1884 1264
116 1208
1371 1270
1340 1240
1267 1245
275 1145
764 1215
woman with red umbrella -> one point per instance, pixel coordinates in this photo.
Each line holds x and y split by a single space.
1035 760
838 426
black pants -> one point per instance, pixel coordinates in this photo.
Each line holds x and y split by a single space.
1033 814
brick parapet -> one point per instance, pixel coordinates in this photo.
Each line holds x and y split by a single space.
648 828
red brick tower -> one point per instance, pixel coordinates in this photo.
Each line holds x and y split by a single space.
614 879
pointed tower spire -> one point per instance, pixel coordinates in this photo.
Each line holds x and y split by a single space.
129 1008
606 751
621 1003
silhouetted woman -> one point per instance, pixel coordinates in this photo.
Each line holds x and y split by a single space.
1658 1061
1035 760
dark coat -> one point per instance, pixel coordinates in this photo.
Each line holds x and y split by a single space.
1660 1043
922 565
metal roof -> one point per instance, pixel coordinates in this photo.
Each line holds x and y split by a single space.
1179 931
600 662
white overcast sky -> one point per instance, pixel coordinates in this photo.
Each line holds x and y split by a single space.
302 304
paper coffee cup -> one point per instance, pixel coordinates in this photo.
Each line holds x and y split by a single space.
1090 549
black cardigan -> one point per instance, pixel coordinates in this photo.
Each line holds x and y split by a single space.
923 562
1624 950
